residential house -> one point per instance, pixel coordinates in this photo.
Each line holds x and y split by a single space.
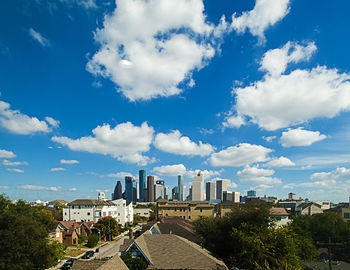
308 208
170 251
67 232
343 209
279 216
124 211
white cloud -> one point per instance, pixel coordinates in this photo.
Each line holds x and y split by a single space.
170 170
6 154
73 189
175 143
338 173
15 170
63 161
39 38
148 48
125 142
206 173
265 14
279 162
269 138
57 169
13 163
240 155
319 92
205 131
113 175
18 123
262 187
87 4
233 121
32 187
257 175
289 186
275 61
54 123
319 184
103 190
300 137
4 187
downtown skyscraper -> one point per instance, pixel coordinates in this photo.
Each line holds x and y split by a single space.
142 184
180 187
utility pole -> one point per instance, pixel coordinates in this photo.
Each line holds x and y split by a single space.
109 226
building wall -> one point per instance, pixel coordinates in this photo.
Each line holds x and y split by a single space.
185 211
88 212
345 213
180 186
221 186
325 205
142 181
150 188
311 210
210 191
142 212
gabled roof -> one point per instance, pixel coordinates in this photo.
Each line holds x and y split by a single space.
90 202
308 204
59 201
68 224
278 211
169 251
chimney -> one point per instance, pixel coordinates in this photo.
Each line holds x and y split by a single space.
131 236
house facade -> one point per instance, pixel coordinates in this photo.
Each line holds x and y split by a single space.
309 208
125 211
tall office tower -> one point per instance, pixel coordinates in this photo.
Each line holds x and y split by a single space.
197 187
117 194
134 195
221 186
150 189
180 187
137 196
129 188
236 197
142 185
210 191
175 194
168 193
158 191
251 193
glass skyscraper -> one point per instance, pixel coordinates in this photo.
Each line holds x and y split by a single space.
180 187
129 188
142 184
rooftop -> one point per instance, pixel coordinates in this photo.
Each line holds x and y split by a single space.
90 202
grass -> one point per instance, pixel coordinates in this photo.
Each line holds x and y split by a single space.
74 252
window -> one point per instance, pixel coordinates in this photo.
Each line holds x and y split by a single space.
347 215
88 213
72 206
201 210
65 213
189 217
79 206
175 209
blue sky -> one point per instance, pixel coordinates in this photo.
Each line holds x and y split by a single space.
256 92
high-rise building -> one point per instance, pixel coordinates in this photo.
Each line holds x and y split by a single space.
180 187
251 193
175 194
197 187
168 195
137 196
129 188
150 189
142 183
221 186
210 191
159 191
117 194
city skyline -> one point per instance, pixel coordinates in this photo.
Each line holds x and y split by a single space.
89 96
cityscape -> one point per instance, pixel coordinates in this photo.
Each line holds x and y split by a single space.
163 134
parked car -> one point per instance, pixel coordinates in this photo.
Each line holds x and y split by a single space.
97 250
88 254
68 264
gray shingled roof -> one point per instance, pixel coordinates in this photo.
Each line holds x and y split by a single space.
169 251
90 202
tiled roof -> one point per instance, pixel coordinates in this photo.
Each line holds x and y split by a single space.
174 228
278 211
59 201
90 202
115 263
88 265
68 224
169 251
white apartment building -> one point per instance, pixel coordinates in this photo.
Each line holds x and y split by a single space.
125 212
92 210
89 210
198 187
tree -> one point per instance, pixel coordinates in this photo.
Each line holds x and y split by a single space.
246 240
92 240
24 237
108 227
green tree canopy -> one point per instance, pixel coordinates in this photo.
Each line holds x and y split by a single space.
24 237
245 239
108 227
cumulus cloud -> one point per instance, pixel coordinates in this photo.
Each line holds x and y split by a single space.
230 184
265 14
73 189
63 161
39 38
4 187
269 138
175 143
120 175
234 121
13 163
18 123
150 48
125 142
279 162
15 170
54 123
6 154
338 173
257 175
33 187
319 92
170 170
300 137
206 173
57 169
240 155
